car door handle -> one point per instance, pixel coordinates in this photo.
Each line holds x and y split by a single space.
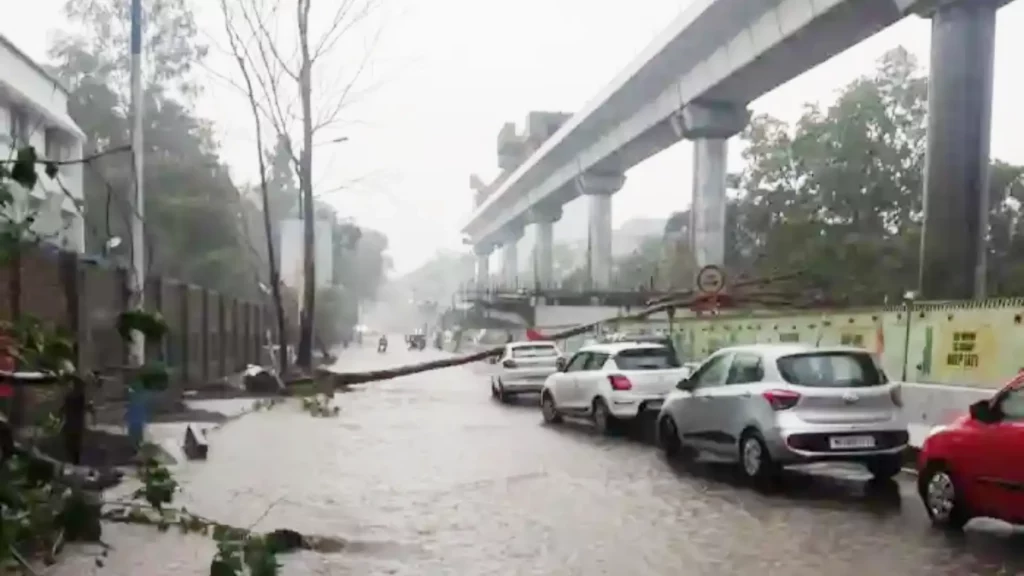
747 395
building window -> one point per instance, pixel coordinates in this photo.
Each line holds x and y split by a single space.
5 122
54 144
20 130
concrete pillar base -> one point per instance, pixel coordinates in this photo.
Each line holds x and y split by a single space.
707 213
543 260
483 267
510 259
599 189
710 125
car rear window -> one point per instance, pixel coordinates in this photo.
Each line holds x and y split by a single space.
831 370
659 358
538 351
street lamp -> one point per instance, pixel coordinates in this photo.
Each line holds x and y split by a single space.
908 309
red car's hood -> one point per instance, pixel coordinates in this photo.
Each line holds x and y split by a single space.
959 421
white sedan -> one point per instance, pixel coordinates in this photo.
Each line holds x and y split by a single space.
612 382
523 368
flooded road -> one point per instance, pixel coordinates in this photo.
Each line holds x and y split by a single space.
428 475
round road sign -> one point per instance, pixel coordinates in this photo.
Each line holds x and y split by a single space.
710 280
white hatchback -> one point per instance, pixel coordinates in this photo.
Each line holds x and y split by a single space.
523 368
613 382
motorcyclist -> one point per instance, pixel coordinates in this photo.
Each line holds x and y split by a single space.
382 344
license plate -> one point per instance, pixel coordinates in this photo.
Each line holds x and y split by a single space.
653 405
851 442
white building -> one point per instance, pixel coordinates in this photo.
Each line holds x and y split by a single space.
34 111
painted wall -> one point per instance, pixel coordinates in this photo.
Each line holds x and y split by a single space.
972 344
977 345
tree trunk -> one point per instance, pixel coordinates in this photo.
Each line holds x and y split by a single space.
305 352
268 217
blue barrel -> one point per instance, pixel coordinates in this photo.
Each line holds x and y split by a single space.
137 414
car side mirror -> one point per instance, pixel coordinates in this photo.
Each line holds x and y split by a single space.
561 363
982 412
686 385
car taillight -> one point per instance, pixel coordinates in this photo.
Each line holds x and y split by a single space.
509 363
781 399
896 393
620 382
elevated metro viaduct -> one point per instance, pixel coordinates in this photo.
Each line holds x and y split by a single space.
695 81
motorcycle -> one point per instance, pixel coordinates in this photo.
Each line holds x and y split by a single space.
417 342
382 345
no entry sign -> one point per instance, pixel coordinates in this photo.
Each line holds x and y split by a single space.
710 280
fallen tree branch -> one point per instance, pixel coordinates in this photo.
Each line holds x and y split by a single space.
342 379
745 283
47 467
686 299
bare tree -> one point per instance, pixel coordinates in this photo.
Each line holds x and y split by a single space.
275 277
280 69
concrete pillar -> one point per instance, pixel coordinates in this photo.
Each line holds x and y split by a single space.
510 258
710 125
483 266
707 229
599 188
544 219
956 194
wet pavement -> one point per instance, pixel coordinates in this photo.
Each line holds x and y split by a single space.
428 475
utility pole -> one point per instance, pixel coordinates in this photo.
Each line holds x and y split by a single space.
136 199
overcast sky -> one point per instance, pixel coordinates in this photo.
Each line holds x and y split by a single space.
451 72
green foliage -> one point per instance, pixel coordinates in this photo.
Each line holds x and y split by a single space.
320 406
150 324
158 485
201 228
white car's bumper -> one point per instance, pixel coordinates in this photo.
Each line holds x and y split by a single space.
626 405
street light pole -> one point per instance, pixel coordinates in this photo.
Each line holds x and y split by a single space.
137 203
908 309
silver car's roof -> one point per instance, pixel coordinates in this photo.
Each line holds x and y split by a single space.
773 350
613 348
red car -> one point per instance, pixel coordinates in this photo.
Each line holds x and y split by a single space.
974 467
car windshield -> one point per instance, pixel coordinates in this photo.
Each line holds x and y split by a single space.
652 358
831 370
538 351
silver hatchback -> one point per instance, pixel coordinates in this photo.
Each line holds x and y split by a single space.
771 405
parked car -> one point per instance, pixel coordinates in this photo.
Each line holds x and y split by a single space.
767 406
611 383
974 467
523 367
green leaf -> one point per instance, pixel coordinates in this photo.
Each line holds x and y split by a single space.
153 376
24 170
150 324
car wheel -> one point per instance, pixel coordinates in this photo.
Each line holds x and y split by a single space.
668 440
942 498
549 410
755 460
885 467
603 419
